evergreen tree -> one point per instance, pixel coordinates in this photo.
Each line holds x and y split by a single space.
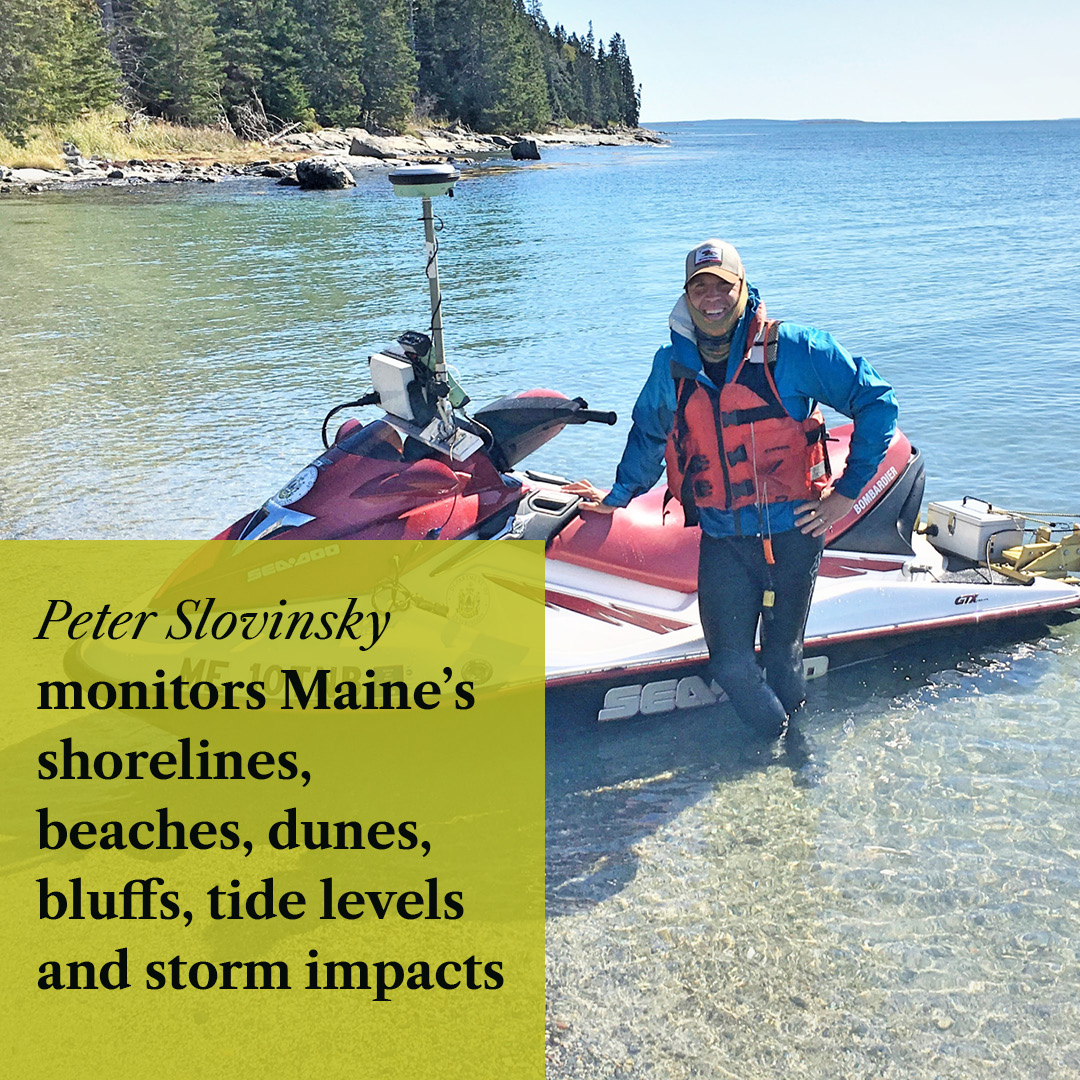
181 72
630 95
494 64
388 64
481 62
331 48
261 63
54 63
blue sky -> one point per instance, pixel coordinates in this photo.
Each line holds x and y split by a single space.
859 59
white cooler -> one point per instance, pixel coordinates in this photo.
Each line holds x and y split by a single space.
967 526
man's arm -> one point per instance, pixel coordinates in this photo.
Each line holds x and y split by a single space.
850 385
642 459
825 371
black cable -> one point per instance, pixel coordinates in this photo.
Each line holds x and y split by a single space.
367 399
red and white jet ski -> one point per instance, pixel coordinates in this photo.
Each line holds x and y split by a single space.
623 633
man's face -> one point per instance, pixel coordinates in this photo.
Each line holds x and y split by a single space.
712 295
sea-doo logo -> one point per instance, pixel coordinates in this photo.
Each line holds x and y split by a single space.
622 702
667 695
879 486
967 598
281 565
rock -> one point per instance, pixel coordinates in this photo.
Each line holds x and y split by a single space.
371 146
5 173
136 163
323 174
525 150
288 181
278 171
502 140
439 144
33 176
115 174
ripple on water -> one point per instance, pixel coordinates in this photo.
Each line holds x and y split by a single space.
914 913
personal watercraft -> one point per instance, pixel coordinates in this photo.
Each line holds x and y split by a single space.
623 636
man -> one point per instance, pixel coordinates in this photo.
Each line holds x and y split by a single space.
731 406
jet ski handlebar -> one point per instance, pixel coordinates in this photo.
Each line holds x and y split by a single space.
594 416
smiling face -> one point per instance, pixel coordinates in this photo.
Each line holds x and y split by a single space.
712 296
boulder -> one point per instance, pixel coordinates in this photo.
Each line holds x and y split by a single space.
323 174
278 171
118 174
371 146
288 181
32 176
502 140
525 150
5 173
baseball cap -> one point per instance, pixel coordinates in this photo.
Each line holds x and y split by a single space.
714 257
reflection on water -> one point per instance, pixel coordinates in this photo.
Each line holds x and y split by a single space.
895 897
903 899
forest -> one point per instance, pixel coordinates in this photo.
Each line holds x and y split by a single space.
256 67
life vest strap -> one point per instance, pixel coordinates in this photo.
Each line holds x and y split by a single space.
741 417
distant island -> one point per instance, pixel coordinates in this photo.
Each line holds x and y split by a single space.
255 69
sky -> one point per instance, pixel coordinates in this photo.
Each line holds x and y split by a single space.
851 59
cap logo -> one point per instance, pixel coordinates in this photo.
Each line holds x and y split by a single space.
707 255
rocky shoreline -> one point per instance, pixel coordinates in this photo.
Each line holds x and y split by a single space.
332 152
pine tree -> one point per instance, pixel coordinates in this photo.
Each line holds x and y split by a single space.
54 63
481 62
388 64
494 64
181 68
331 56
263 84
630 95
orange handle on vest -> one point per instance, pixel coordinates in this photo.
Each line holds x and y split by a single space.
766 543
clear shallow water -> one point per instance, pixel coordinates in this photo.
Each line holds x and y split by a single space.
910 877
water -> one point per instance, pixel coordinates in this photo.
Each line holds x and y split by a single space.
899 898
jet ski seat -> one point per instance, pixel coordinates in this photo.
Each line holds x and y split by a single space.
641 542
646 543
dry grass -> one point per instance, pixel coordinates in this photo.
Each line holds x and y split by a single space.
115 135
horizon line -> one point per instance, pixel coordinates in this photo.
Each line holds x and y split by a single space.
854 120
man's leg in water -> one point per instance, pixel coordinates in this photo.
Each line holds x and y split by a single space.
797 558
730 586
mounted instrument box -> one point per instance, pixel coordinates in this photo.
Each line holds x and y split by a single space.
972 529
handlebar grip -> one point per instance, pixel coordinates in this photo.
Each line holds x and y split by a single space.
593 416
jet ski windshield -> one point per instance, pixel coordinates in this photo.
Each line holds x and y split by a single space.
381 441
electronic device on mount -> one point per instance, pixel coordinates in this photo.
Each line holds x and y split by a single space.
411 377
403 375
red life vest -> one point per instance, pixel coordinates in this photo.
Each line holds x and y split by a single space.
739 446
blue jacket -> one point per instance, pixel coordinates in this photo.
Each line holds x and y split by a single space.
811 366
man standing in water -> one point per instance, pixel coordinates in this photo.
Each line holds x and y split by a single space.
731 406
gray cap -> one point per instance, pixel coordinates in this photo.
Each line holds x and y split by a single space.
714 257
